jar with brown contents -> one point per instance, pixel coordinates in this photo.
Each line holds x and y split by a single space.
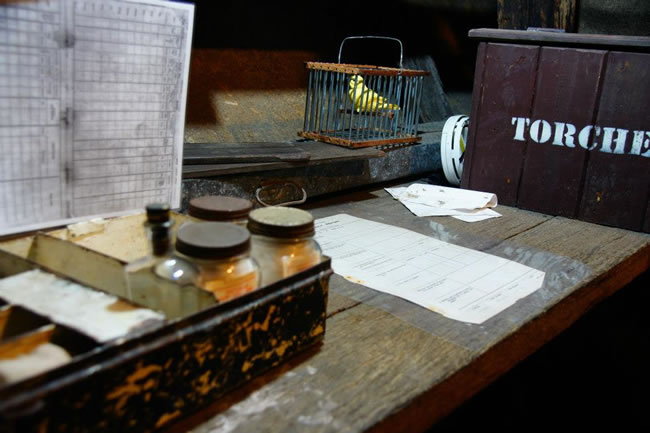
221 252
282 241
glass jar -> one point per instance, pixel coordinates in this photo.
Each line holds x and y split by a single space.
221 252
282 241
161 258
174 300
220 208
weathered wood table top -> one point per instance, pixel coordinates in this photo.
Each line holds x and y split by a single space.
388 365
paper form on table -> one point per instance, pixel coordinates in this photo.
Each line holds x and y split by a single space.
457 282
92 108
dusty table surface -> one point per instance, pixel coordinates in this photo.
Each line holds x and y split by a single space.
391 366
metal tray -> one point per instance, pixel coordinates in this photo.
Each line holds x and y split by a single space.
159 374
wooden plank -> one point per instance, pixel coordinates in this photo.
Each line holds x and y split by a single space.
481 235
598 247
492 235
219 153
513 348
477 92
348 384
379 372
566 91
575 40
617 185
502 347
554 14
588 105
572 253
613 258
507 92
337 303
512 15
320 153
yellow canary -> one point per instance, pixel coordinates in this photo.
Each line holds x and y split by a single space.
365 99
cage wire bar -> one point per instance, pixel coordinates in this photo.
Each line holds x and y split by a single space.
362 105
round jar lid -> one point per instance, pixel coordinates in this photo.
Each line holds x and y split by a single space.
281 222
157 212
210 240
219 208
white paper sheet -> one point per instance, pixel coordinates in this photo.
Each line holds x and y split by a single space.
457 282
92 108
433 200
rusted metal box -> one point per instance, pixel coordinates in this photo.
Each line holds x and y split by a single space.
156 374
560 124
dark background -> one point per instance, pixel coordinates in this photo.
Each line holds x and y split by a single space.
320 26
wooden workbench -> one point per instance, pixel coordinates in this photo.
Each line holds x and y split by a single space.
387 365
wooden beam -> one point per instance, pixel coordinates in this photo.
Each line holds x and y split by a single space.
554 14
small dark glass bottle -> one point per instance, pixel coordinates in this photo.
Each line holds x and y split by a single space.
161 258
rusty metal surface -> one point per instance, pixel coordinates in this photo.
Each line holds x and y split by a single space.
364 69
126 385
351 143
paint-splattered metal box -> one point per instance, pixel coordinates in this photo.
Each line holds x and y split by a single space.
560 125
156 375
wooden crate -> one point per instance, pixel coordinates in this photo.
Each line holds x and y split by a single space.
560 125
156 375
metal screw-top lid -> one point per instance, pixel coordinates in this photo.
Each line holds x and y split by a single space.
211 240
159 223
219 208
157 213
281 222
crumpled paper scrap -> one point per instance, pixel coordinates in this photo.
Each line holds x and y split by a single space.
433 200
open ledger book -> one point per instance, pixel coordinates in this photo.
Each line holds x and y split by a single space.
92 108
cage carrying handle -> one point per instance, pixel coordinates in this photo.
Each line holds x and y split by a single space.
401 47
278 184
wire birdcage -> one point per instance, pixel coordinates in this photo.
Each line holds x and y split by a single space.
362 105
